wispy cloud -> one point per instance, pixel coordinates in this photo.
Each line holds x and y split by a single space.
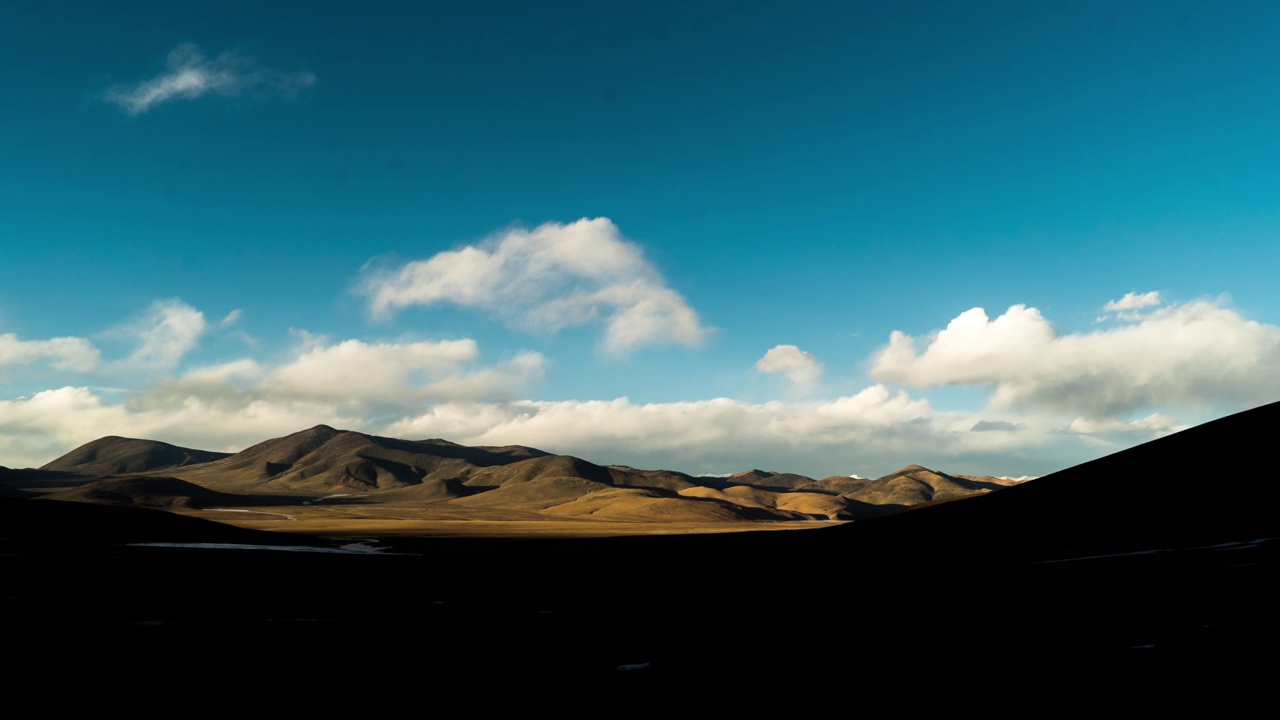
231 318
551 277
1196 355
190 75
64 353
165 334
1153 423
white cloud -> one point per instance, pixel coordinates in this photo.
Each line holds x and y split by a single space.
800 367
1133 301
549 278
372 372
1153 424
355 376
190 75
349 384
63 353
1198 355
166 333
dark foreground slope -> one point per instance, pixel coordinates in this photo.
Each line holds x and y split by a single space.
1126 584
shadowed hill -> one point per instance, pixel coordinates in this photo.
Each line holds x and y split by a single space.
763 479
119 456
160 492
1166 493
9 490
68 525
30 482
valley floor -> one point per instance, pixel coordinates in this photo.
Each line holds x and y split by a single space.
380 521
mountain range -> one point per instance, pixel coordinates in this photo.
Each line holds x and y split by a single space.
354 472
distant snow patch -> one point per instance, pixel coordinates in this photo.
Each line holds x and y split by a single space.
354 549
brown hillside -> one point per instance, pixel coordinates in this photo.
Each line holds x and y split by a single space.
119 456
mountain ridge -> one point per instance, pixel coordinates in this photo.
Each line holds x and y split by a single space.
323 463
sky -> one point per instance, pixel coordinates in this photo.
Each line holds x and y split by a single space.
991 238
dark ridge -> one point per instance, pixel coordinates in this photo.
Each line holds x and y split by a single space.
1155 496
92 524
159 492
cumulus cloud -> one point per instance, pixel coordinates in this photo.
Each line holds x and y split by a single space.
1197 355
63 353
354 368
190 75
800 367
399 373
548 278
166 333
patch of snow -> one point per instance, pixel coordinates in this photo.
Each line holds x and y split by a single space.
244 546
254 512
327 497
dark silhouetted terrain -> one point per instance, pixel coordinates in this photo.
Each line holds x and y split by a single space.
1143 582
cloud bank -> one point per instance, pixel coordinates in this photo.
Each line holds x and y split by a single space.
1056 399
190 75
545 279
230 407
1196 355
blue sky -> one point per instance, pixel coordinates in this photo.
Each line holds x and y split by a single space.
828 238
